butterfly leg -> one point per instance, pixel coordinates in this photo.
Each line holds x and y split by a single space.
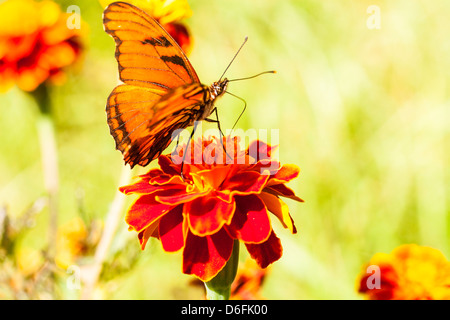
220 130
178 141
216 121
187 146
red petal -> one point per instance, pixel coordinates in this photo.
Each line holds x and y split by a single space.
267 252
207 215
144 211
152 182
165 179
215 176
266 167
286 173
171 230
279 209
167 166
282 190
225 195
181 198
206 256
245 182
260 150
152 173
142 186
250 222
169 192
145 234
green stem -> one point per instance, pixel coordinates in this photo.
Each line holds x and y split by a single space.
112 220
49 158
219 287
42 97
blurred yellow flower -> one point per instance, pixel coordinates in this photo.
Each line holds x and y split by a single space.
70 242
409 272
28 260
165 11
35 43
168 13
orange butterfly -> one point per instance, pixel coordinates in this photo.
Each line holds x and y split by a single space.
161 91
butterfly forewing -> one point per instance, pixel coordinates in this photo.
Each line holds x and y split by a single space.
147 55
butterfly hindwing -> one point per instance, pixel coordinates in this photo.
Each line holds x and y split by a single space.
142 121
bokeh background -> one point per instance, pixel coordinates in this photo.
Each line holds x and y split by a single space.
363 112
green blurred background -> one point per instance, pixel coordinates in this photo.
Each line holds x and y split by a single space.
363 112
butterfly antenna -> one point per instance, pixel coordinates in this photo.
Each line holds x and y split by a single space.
245 40
256 75
245 103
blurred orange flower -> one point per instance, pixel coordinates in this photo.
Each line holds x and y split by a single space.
35 43
409 272
215 203
248 282
168 13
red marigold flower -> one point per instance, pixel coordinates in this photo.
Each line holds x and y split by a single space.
409 272
219 200
168 14
35 43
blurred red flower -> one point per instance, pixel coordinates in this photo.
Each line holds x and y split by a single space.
216 203
35 43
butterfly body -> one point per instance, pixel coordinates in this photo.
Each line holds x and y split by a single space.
161 91
216 90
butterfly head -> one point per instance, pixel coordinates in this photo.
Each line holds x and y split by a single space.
218 88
